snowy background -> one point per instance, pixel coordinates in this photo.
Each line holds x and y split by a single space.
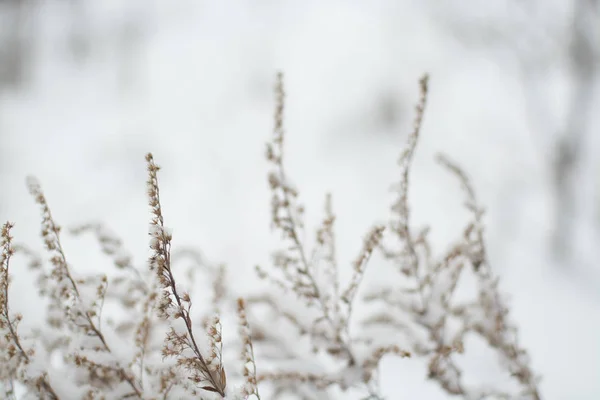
88 87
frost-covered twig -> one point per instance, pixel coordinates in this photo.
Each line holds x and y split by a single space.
420 313
305 337
315 281
208 372
78 311
14 356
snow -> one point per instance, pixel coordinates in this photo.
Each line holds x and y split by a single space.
200 99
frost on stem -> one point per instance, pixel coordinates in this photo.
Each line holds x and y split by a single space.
94 349
206 371
418 310
14 357
487 315
80 301
249 363
311 276
421 308
318 346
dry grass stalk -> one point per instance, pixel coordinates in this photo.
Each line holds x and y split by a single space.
150 307
320 347
16 357
312 275
428 300
78 312
248 361
207 372
417 316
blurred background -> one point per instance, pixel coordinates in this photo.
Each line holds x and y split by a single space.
88 87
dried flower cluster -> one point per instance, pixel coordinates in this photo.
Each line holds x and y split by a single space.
426 293
415 315
131 333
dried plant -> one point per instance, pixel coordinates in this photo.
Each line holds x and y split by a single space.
438 323
418 312
131 332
